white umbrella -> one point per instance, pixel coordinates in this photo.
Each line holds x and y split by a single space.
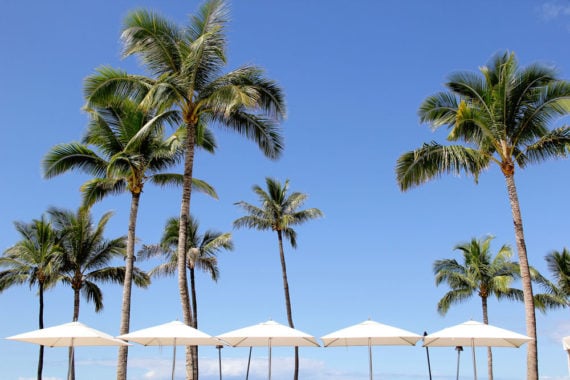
268 334
370 333
71 334
171 334
473 333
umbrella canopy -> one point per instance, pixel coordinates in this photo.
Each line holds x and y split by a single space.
370 333
473 333
268 334
71 334
171 334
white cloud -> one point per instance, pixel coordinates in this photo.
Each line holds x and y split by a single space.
552 9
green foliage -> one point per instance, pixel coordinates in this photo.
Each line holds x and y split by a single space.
202 249
479 273
501 115
278 210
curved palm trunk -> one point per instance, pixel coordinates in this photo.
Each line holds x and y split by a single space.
127 286
489 352
287 299
41 325
191 373
532 353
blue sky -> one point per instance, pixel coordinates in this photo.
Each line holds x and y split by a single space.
354 74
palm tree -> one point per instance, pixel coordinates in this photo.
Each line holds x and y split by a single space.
559 266
186 64
502 117
480 274
279 212
202 254
86 258
128 154
33 260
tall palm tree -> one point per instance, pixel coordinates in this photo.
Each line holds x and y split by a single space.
481 274
502 117
87 255
559 266
279 212
202 254
186 66
130 150
33 260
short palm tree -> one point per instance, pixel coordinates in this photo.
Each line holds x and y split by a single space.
186 66
502 117
129 151
86 258
279 212
480 273
34 260
202 254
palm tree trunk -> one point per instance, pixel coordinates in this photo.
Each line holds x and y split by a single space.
71 359
195 314
41 324
489 352
287 299
532 350
127 286
184 217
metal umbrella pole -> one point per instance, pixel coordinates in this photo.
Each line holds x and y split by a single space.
248 363
427 353
219 347
458 349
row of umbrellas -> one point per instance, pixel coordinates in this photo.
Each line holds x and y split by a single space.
271 334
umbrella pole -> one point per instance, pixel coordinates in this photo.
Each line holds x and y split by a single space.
219 347
248 363
427 354
370 358
269 358
173 358
474 362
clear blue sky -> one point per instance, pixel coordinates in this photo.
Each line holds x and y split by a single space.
354 74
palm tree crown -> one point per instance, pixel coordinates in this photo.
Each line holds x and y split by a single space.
502 115
479 274
279 211
87 255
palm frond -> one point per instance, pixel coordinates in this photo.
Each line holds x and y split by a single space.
64 157
154 39
433 160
